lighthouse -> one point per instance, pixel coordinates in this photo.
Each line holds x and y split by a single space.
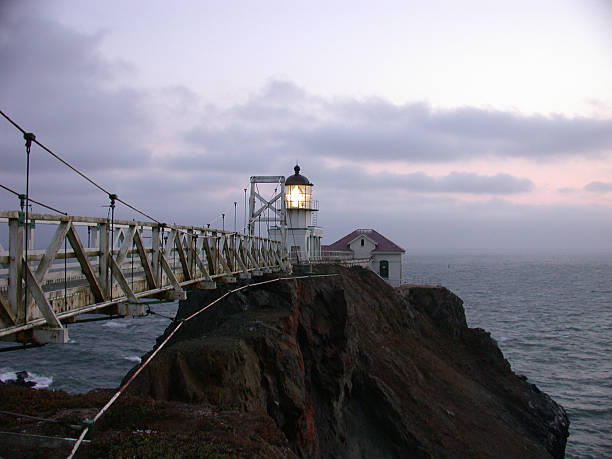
290 215
303 234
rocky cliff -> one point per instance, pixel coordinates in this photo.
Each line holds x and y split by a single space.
346 366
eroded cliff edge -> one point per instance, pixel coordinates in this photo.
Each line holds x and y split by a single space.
347 366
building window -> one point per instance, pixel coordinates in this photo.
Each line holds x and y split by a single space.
362 243
384 269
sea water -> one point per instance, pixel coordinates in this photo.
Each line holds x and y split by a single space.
98 354
551 315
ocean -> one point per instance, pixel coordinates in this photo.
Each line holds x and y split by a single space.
551 315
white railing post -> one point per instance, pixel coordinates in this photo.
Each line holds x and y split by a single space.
191 239
30 226
155 262
103 261
15 280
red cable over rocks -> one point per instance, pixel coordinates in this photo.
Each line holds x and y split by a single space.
163 344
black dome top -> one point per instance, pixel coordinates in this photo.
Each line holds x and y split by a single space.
297 179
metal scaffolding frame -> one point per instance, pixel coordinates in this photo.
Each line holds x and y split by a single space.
258 204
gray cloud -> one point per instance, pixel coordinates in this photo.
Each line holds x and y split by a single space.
599 186
348 177
458 182
56 84
420 182
374 129
447 224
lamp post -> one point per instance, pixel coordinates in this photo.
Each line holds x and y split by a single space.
245 211
223 218
235 202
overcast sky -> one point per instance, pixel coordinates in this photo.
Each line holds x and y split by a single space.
442 124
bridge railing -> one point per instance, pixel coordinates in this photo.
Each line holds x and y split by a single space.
121 264
329 257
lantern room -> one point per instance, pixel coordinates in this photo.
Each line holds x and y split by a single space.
298 191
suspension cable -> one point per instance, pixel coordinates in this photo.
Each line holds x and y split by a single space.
29 137
112 198
12 122
22 197
101 188
8 189
66 272
150 311
73 168
83 175
35 418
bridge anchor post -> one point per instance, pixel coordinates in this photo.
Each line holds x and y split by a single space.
48 335
131 309
205 285
173 295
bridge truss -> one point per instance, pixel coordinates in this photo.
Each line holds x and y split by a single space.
277 204
122 266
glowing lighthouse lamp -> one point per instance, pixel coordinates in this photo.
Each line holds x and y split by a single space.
296 198
298 195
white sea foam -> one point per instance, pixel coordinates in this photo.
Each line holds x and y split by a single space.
6 374
132 358
115 324
41 382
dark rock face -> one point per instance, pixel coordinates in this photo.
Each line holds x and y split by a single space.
347 366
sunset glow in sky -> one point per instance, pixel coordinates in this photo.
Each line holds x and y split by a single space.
442 124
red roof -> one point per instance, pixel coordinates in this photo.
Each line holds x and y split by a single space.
382 243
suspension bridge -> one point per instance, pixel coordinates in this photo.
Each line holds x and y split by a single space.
111 266
117 271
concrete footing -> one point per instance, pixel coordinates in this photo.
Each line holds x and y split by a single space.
205 285
44 335
131 310
173 295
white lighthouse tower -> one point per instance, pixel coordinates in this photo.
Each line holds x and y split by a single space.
303 234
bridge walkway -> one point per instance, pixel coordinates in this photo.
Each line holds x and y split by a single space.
124 264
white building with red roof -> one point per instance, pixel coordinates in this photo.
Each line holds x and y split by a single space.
385 255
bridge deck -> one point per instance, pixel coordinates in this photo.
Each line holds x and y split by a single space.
122 264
